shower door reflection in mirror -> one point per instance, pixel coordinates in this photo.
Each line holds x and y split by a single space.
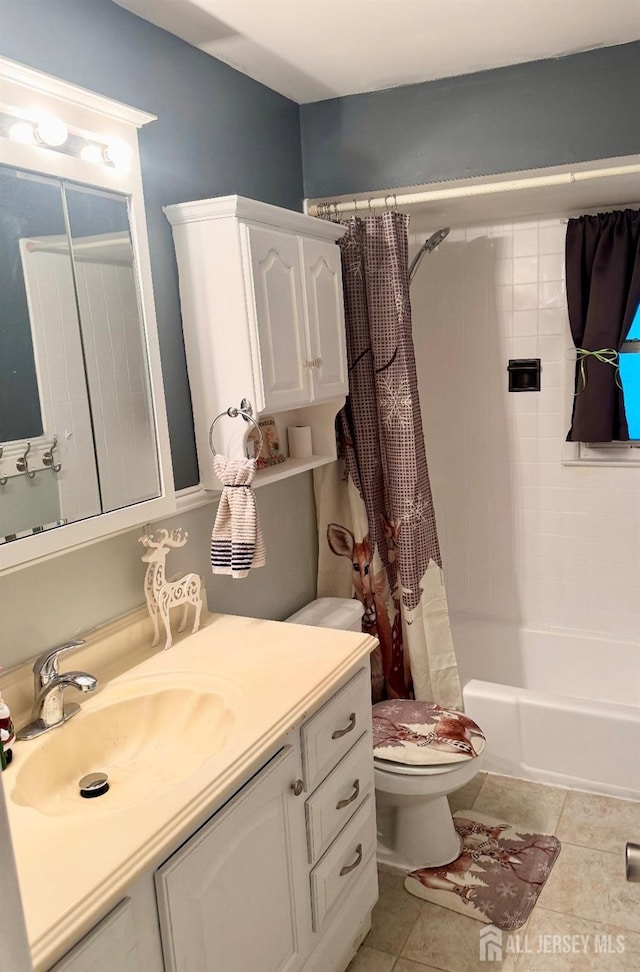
77 429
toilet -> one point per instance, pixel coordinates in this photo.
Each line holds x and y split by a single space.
422 752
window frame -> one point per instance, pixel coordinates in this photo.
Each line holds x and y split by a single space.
615 453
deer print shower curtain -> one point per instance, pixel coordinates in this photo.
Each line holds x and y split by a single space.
376 521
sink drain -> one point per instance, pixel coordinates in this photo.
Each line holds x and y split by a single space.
93 785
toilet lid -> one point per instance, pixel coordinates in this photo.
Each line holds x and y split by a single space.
423 734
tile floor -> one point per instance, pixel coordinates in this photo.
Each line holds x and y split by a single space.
585 905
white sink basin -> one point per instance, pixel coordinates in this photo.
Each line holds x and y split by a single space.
147 734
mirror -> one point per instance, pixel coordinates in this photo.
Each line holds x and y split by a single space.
84 443
76 419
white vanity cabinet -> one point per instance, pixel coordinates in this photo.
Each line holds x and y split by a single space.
283 877
263 320
233 898
127 939
109 947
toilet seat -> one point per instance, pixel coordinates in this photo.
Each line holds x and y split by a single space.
406 769
421 738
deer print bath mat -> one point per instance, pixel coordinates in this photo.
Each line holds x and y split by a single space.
498 876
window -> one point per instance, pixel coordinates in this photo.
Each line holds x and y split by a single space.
603 291
618 453
629 361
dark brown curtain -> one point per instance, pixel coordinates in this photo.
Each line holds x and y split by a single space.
603 292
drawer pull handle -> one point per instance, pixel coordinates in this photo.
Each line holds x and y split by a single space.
341 804
350 867
297 787
343 732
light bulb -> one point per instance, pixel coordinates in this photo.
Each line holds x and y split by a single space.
22 131
52 131
119 154
92 153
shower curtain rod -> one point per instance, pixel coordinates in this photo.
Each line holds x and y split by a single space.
393 200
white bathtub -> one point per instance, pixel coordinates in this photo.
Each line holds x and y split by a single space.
556 706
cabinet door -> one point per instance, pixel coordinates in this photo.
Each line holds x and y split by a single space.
277 286
235 898
325 307
109 947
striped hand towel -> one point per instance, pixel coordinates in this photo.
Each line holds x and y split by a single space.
237 543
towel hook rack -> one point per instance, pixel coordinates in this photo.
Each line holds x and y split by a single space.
47 457
23 466
245 411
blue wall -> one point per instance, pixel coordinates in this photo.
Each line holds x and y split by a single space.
218 132
543 113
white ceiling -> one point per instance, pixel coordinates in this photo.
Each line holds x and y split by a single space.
315 49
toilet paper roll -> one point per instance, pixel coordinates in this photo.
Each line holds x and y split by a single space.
300 441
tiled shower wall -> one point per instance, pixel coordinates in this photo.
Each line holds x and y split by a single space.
524 538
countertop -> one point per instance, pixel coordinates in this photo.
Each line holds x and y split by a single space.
73 868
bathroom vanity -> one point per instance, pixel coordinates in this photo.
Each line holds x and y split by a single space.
239 829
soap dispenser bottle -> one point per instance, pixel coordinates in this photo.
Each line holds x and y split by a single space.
7 734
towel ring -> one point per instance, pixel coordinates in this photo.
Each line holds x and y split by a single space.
245 411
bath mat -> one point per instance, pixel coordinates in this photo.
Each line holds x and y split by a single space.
498 876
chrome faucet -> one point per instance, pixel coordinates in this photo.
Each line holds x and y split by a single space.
49 709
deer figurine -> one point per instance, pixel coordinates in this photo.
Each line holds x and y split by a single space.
162 594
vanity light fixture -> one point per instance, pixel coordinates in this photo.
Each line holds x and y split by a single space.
119 154
91 152
51 131
22 131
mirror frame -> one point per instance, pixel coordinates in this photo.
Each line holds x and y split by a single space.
26 93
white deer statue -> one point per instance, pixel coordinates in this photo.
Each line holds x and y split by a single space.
163 594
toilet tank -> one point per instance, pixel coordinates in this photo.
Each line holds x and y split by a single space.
341 613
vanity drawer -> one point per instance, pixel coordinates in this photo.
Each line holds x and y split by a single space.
337 872
332 731
334 802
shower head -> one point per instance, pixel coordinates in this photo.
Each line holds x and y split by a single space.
427 247
436 239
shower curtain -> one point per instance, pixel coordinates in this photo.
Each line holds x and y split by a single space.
376 522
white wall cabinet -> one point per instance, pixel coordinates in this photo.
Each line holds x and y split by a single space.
322 272
263 320
280 323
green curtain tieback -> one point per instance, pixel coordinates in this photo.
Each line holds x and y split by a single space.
605 355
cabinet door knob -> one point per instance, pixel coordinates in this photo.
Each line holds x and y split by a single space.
349 867
297 787
341 804
343 732
309 363
317 362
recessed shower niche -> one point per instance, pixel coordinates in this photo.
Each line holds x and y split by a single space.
524 374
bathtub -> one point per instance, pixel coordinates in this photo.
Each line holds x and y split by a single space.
556 706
